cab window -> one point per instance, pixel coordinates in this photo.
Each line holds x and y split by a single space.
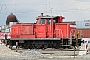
42 21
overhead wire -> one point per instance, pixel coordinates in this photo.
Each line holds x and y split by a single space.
3 7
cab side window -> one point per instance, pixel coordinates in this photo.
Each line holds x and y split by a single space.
42 21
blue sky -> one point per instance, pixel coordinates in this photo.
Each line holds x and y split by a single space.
28 10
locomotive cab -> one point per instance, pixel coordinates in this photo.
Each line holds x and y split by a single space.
47 19
45 26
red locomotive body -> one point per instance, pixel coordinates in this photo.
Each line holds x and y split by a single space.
22 31
54 30
48 31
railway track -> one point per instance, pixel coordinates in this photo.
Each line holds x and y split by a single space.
37 54
56 52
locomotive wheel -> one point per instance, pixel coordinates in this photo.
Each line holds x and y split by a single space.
45 46
10 47
37 47
57 47
33 46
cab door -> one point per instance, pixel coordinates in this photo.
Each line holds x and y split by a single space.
41 28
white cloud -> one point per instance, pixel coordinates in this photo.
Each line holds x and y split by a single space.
83 5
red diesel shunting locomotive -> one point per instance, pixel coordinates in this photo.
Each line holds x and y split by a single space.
47 32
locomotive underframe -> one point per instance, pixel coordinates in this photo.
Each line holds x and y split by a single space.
41 43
